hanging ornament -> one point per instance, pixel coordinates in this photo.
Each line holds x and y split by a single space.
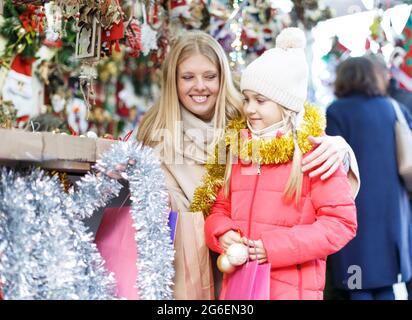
69 7
179 9
112 23
148 35
111 13
88 74
77 116
112 36
133 38
53 21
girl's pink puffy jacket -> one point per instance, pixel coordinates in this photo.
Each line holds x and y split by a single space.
297 239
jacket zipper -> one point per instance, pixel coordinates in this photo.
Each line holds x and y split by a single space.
253 201
299 268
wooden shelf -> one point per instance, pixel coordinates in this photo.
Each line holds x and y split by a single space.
50 151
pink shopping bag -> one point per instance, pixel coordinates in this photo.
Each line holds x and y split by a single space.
250 281
117 245
115 240
261 289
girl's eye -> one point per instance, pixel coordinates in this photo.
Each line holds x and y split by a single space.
260 101
187 77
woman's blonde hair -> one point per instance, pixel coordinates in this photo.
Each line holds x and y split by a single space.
293 189
165 114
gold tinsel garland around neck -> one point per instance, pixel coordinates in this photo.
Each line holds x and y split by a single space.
272 151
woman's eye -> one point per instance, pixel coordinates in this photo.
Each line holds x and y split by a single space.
260 101
211 77
187 77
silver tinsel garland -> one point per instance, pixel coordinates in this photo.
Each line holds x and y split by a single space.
46 252
150 212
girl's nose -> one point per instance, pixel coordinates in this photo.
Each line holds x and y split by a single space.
250 109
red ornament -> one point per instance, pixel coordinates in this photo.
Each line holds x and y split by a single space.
133 38
32 19
113 35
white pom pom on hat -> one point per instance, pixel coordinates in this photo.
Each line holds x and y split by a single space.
281 73
291 38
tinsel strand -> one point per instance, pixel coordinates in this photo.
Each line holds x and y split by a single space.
45 250
150 212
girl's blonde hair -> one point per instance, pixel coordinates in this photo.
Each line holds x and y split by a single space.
293 187
165 114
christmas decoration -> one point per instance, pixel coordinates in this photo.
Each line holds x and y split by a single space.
7 115
21 89
54 18
45 250
179 9
237 254
148 35
133 38
150 212
77 116
148 38
112 34
63 178
224 265
21 26
310 12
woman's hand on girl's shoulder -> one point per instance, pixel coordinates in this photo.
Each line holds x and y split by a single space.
328 156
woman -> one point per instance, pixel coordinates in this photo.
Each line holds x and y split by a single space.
381 253
197 99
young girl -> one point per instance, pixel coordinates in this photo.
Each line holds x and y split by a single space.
285 217
197 93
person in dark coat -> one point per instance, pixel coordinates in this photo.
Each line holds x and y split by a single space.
401 95
392 87
381 253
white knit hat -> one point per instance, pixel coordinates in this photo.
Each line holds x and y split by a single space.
281 73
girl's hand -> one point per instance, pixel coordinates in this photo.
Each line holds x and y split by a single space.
117 174
330 153
228 239
256 250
